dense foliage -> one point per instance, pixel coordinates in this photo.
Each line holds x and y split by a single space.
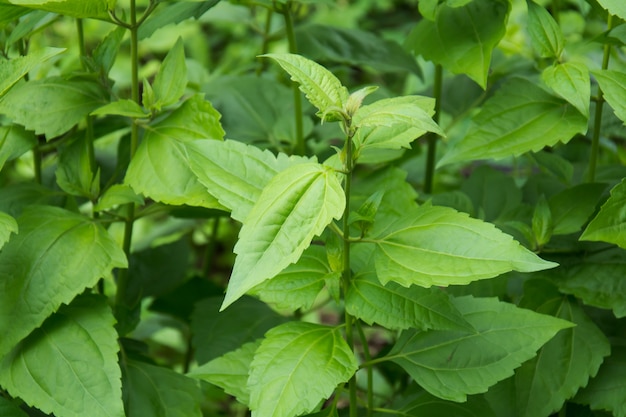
322 208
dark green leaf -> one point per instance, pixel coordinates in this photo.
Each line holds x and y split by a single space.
396 307
424 404
452 364
14 142
171 79
9 13
280 380
154 391
218 333
55 256
462 39
520 117
480 188
572 207
296 205
58 103
8 408
69 365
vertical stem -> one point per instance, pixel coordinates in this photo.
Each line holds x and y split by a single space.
300 148
123 278
369 369
597 124
433 137
347 273
266 37
91 154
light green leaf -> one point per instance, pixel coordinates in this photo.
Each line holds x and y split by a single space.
280 380
106 52
571 81
462 39
609 225
160 168
452 364
13 70
409 111
566 362
572 207
319 85
520 117
216 333
8 408
74 8
399 308
613 85
117 195
479 188
236 173
14 142
297 285
614 7
606 390
230 371
124 107
56 255
598 284
171 79
8 225
296 205
59 103
73 172
542 223
154 391
545 33
69 366
440 246
10 13
173 12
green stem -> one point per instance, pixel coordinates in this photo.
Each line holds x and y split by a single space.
123 277
266 41
347 273
433 137
597 124
369 369
210 248
300 148
91 153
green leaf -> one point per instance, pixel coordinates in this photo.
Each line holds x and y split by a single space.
613 85
123 107
399 308
296 205
545 33
606 390
462 39
520 117
230 371
572 207
215 333
171 79
173 12
236 173
440 246
117 195
8 225
10 13
280 380
15 69
614 7
609 224
160 168
35 283
566 362
571 81
479 188
69 366
297 286
108 49
8 408
73 172
542 223
58 103
407 111
424 404
353 47
14 142
452 364
319 85
74 8
154 391
598 284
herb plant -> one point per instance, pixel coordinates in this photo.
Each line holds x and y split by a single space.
432 228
